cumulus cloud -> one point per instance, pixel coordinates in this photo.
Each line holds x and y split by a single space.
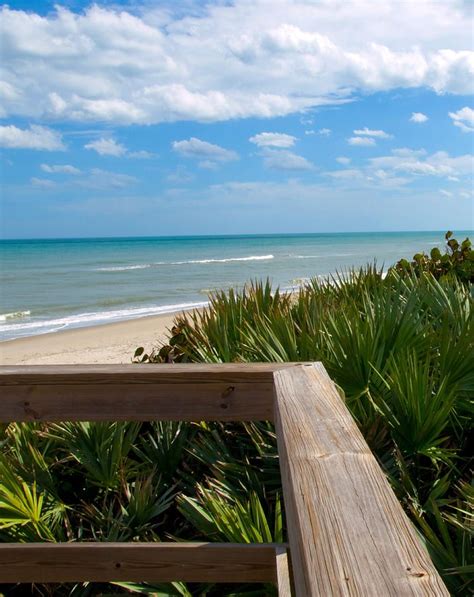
202 150
285 160
60 169
343 160
35 137
418 117
403 166
361 141
366 132
107 147
446 193
109 65
324 132
273 140
464 119
417 162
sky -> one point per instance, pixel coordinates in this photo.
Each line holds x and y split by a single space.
235 117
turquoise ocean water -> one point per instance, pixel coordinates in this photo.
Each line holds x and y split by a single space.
51 285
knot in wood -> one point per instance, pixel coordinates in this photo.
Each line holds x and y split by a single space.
228 391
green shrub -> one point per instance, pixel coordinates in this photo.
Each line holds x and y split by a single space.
456 261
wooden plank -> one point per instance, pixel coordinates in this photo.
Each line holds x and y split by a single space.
232 401
231 392
283 572
137 562
348 532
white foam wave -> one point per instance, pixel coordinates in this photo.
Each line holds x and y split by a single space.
122 268
229 259
14 315
93 318
322 256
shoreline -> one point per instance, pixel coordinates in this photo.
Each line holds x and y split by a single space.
104 343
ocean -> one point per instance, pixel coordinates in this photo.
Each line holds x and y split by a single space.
51 285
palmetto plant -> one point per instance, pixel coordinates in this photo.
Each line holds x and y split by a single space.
401 349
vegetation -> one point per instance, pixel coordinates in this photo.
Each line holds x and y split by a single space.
401 349
457 261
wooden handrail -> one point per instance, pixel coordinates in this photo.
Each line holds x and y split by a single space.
348 533
223 392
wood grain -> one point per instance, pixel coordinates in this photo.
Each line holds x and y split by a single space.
348 532
137 562
230 392
283 572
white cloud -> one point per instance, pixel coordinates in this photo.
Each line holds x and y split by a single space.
60 169
109 65
273 140
310 132
366 132
208 152
404 166
418 117
324 132
107 147
343 160
419 163
43 183
464 119
285 160
446 193
361 141
36 137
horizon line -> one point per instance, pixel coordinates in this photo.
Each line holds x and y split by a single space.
232 235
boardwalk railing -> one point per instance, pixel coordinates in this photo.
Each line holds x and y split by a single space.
348 534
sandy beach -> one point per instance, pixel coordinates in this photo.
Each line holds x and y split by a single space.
109 343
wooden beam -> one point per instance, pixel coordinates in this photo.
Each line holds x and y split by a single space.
283 572
137 562
348 532
230 392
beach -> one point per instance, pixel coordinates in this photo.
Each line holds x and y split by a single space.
101 344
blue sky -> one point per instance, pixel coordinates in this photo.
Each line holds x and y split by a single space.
161 118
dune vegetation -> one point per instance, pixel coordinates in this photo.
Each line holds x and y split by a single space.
400 348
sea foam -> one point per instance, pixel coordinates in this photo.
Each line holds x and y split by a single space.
14 315
123 268
94 318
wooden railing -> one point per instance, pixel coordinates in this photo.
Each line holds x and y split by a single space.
348 534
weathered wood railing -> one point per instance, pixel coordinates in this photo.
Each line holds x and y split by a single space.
348 534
